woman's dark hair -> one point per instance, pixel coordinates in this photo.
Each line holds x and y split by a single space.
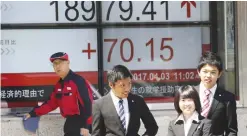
184 92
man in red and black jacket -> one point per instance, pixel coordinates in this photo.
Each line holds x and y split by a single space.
72 94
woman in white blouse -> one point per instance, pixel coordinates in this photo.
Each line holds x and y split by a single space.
189 121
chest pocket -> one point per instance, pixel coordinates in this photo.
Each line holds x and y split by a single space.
67 97
59 95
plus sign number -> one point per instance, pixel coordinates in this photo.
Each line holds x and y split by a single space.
152 48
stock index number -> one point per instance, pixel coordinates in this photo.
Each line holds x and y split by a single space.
128 10
73 6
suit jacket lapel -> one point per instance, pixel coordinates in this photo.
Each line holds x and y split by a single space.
215 101
179 127
113 110
193 128
197 88
131 108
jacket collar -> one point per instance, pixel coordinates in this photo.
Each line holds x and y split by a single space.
193 117
68 76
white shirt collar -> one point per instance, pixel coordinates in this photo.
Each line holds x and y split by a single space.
115 100
194 116
213 89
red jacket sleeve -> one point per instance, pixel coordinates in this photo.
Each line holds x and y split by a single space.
46 107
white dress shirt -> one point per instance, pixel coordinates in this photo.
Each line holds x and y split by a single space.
202 94
188 123
115 100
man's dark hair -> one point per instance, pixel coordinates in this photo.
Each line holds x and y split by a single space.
118 72
210 58
184 92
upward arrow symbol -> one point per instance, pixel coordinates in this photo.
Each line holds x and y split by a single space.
187 3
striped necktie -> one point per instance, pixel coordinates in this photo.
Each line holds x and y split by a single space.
122 115
206 103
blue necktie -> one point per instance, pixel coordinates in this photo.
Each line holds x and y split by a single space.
122 115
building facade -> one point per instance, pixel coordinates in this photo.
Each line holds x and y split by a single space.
159 41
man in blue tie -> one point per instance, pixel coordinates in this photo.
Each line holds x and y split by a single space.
119 112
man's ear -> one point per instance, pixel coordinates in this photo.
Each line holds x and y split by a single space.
110 84
198 72
220 74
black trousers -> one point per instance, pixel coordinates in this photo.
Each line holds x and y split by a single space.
71 134
72 126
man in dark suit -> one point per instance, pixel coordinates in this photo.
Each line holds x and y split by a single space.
119 112
218 104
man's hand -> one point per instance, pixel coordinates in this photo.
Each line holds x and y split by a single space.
84 132
27 116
